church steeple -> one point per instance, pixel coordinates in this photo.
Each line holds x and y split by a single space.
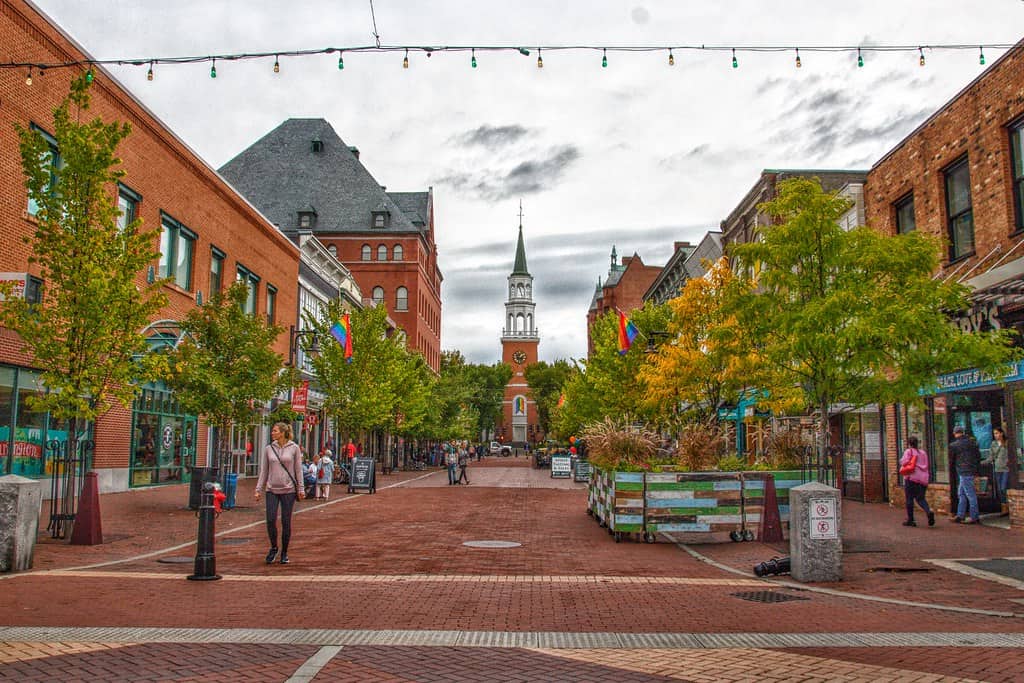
520 265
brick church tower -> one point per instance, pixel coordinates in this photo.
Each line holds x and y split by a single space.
519 340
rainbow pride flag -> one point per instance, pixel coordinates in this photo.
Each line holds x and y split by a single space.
343 333
627 333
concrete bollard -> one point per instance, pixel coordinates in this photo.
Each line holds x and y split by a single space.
815 542
21 500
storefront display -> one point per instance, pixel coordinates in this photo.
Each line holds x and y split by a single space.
163 438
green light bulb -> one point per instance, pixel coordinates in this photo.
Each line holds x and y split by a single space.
472 62
213 70
89 76
735 64
981 56
860 60
341 62
604 59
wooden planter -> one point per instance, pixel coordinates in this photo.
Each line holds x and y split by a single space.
694 507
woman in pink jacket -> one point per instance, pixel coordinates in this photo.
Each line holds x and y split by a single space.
281 477
914 468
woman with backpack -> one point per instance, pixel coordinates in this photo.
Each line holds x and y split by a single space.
914 468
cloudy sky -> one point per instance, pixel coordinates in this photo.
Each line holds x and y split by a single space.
635 155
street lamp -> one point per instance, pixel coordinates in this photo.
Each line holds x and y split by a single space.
294 336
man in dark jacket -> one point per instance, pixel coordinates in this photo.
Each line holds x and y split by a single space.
966 457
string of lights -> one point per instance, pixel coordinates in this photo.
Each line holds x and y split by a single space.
670 50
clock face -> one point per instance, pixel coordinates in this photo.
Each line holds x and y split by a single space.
519 357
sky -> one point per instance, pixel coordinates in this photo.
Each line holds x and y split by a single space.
636 155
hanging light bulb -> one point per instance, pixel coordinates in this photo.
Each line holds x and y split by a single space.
341 62
213 69
604 58
89 76
798 64
28 79
277 65
860 60
981 56
405 62
540 60
671 59
920 62
735 64
472 62
149 74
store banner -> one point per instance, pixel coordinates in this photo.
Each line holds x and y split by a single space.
300 397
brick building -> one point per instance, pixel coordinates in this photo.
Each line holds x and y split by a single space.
623 289
216 237
960 176
687 262
303 176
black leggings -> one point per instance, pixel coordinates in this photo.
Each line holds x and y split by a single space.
915 491
287 501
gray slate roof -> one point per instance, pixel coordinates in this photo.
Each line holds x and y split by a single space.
281 175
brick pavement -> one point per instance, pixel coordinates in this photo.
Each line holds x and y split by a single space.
395 560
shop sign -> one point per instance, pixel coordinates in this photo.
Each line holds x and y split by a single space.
300 397
939 405
969 379
19 282
980 318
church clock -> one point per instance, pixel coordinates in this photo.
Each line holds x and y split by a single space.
519 357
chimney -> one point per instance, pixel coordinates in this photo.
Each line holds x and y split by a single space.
354 150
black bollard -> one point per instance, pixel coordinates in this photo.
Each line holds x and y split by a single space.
774 566
206 562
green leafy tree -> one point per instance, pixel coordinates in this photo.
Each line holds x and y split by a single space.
851 315
546 384
87 333
225 364
486 393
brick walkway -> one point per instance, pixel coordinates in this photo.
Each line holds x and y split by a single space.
391 568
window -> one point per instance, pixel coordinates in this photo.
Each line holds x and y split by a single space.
378 296
1017 152
216 270
905 215
366 253
332 250
382 253
252 285
50 159
271 303
316 146
176 246
307 219
958 209
397 253
381 217
128 206
402 299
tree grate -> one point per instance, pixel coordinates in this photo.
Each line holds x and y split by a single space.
767 596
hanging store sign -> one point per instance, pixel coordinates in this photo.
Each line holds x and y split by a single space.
300 397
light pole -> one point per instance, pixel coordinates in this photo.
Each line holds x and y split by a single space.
295 337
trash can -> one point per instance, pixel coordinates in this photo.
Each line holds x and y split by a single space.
230 488
200 476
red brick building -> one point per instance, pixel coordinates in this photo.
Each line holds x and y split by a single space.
623 289
217 235
960 176
303 176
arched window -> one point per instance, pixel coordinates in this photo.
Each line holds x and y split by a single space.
401 299
366 252
332 250
529 323
378 295
397 254
520 323
382 252
522 291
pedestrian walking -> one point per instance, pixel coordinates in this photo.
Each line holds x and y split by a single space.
914 468
463 464
280 474
997 457
451 459
966 455
324 476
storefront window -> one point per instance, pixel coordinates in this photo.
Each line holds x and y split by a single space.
163 439
940 447
851 447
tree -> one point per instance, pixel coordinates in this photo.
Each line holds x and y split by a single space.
851 315
225 364
546 385
87 333
486 392
708 360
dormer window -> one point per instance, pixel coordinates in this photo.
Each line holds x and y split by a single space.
381 219
307 220
316 146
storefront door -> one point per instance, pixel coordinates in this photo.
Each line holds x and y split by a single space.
978 412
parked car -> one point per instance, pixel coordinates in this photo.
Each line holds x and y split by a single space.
494 448
506 450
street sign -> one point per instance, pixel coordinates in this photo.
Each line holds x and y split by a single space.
363 475
561 467
822 513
